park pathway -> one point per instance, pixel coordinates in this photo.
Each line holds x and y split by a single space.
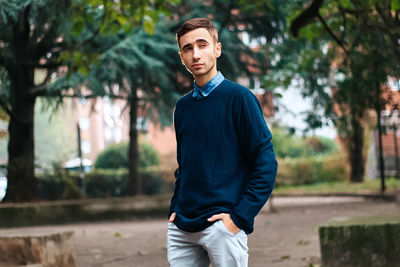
284 238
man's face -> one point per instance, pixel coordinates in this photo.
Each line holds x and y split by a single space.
199 52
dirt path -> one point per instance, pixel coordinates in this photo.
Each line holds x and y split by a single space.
286 238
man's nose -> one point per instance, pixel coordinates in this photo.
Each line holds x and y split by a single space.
196 53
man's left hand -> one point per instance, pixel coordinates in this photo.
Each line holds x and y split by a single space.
226 219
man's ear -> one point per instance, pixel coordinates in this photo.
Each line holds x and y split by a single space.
218 49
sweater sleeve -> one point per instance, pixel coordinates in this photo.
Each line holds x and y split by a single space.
255 141
176 173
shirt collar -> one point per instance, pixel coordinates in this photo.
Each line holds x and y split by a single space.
200 92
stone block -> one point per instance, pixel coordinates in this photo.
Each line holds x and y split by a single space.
46 249
361 241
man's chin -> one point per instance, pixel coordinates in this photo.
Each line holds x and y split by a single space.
200 72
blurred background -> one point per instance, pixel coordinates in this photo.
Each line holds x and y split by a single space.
87 91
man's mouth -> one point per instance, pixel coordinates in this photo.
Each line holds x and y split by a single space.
197 65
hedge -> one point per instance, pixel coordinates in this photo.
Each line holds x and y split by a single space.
99 184
311 170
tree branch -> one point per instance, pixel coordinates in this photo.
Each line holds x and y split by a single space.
337 40
305 17
47 65
87 96
40 89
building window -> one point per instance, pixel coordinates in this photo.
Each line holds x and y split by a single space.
84 123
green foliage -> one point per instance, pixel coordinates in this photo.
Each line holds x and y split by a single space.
288 145
395 5
311 170
99 184
90 19
340 59
148 155
58 186
115 156
53 35
106 183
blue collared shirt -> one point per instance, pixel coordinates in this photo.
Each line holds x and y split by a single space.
201 92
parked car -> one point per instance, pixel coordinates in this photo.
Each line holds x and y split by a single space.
74 165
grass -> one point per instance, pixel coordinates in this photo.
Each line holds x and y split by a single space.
367 187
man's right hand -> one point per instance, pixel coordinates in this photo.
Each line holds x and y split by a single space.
172 217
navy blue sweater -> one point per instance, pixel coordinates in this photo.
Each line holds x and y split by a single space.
225 157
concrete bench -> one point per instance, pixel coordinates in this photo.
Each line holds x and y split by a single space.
361 241
36 248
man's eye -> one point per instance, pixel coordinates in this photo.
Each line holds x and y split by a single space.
203 45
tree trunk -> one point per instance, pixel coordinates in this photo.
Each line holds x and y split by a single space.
134 183
381 161
396 151
357 162
22 185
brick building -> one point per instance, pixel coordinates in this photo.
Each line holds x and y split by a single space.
391 132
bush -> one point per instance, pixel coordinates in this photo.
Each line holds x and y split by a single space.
320 146
288 145
148 156
311 170
106 183
100 183
58 186
152 183
115 156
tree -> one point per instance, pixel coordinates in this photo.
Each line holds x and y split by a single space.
346 54
42 34
147 70
78 34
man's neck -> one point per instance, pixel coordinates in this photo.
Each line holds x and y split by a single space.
204 79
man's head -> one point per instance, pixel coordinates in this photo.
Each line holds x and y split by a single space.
199 48
194 24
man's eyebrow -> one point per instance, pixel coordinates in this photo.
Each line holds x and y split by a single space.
197 41
201 41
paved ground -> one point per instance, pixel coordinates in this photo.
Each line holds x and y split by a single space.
287 237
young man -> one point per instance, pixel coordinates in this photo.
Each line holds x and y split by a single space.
227 165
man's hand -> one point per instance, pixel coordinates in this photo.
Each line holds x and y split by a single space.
172 217
226 219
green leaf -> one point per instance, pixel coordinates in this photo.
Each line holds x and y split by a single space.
148 26
112 28
64 56
395 5
84 70
77 28
76 57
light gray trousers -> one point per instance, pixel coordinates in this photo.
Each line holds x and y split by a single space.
215 245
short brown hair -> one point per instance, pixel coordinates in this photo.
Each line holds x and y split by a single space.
197 23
